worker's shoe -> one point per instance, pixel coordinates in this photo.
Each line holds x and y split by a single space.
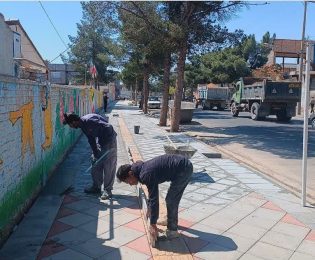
106 195
92 190
168 235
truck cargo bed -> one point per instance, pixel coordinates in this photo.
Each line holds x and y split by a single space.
273 91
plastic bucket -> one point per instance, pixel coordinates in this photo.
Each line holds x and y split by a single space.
136 129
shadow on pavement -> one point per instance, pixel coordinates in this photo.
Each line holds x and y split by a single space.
198 242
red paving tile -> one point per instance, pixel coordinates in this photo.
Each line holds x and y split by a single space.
141 245
63 212
184 224
69 199
270 205
311 235
49 248
194 244
291 220
136 225
58 227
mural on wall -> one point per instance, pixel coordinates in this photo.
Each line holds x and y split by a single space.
71 105
25 113
62 109
48 126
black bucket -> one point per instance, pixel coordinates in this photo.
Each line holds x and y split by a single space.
136 129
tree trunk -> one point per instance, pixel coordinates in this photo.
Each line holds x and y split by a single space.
179 87
166 87
145 89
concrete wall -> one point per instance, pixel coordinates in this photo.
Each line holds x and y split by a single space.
6 48
33 141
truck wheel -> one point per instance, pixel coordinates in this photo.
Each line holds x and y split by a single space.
254 111
234 110
282 116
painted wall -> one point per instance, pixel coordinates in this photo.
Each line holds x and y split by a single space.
33 139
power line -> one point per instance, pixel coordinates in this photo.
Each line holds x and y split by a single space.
59 55
53 25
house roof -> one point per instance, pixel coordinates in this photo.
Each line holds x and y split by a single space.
17 23
287 48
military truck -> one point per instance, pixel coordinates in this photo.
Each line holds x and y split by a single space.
210 97
263 97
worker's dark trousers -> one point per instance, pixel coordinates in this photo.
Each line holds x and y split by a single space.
104 172
174 195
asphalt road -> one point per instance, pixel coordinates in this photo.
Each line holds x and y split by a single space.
269 146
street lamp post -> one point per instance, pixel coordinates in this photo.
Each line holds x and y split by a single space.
305 128
301 55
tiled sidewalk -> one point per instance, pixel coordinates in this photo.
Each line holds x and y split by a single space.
86 227
229 211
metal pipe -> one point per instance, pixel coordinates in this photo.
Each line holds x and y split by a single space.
305 128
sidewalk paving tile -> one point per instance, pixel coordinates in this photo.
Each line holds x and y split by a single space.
136 224
68 254
213 251
141 245
282 240
122 235
49 248
250 257
291 220
307 247
249 231
270 252
72 237
291 230
300 256
58 227
242 243
125 252
76 219
95 247
96 226
64 212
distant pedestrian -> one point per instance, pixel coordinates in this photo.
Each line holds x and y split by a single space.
105 101
312 106
102 138
174 168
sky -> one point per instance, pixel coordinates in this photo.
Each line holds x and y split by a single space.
284 18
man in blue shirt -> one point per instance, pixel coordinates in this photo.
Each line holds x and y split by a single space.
102 138
174 168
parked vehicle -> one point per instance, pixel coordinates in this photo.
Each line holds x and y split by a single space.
154 102
210 97
263 97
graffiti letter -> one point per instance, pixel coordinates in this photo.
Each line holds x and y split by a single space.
25 112
48 127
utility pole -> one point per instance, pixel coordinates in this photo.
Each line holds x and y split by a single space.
301 58
305 126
